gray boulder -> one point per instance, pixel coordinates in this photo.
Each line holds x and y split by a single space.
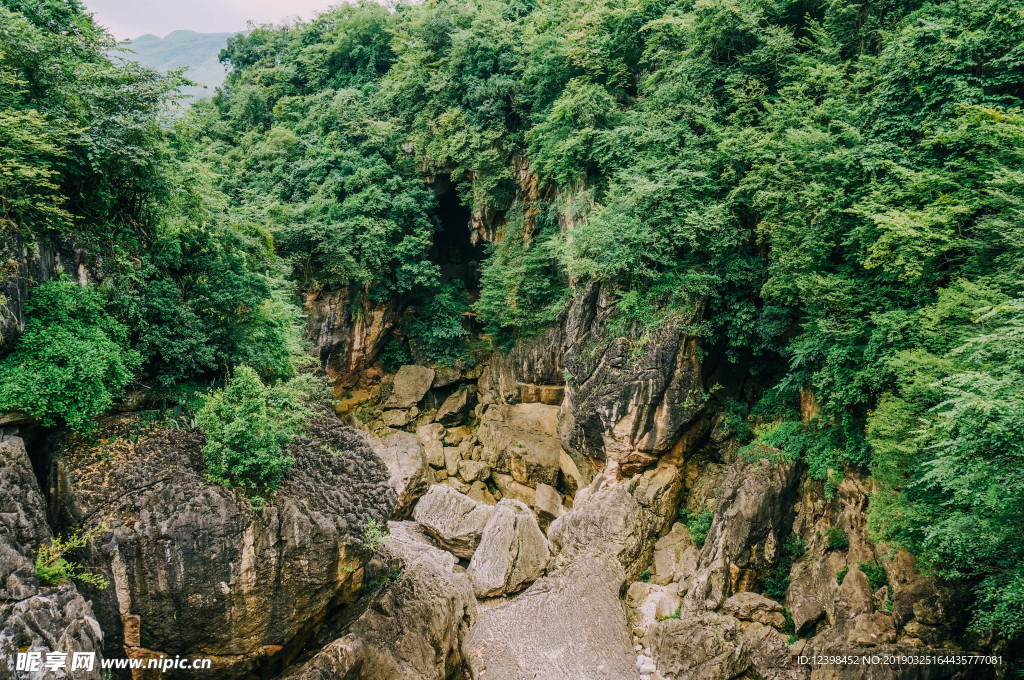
410 385
453 519
412 629
568 624
709 646
408 472
607 518
512 553
454 409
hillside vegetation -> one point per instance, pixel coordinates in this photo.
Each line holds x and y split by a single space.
838 186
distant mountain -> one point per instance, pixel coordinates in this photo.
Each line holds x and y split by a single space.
198 51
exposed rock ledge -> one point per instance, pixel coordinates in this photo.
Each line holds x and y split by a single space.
196 570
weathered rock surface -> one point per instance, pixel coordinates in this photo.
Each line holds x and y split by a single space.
612 518
196 571
348 337
413 629
431 438
410 385
547 504
709 646
620 406
34 618
453 519
531 363
753 518
748 606
408 472
521 440
568 624
512 552
675 554
455 408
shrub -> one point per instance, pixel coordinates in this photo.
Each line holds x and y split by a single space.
440 330
54 569
247 426
837 539
699 524
841 573
375 535
73 359
776 585
875 573
394 355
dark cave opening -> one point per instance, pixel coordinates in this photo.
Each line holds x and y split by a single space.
453 250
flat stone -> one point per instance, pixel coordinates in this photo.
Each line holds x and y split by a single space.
547 503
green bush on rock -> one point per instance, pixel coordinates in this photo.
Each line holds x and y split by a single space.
248 425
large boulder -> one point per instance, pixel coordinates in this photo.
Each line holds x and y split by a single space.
521 440
613 517
568 624
409 386
408 472
709 646
35 618
453 519
412 629
512 553
458 404
196 569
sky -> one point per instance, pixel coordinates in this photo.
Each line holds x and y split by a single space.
128 19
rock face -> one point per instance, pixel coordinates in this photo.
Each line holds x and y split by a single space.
521 440
413 629
196 570
512 552
454 520
621 518
408 472
34 618
753 518
348 342
620 406
410 385
531 367
568 624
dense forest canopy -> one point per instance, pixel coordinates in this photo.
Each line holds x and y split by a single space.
837 185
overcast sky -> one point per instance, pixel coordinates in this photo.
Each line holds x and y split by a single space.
131 18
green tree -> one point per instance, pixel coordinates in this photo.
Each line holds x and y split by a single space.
73 359
248 425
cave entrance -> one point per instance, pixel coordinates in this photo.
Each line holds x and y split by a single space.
454 251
